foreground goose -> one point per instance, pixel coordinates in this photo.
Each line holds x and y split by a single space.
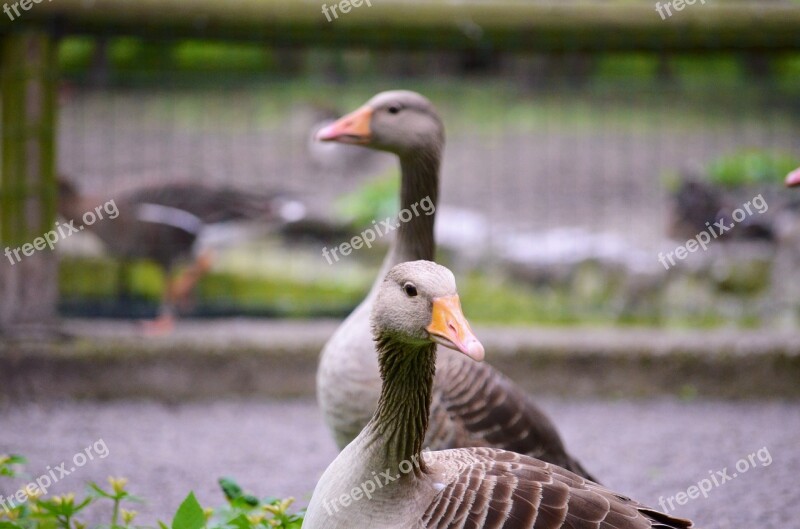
384 480
473 405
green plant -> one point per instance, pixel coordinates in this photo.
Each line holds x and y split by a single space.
374 200
751 166
37 511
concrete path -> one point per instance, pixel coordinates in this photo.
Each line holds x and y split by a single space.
278 358
647 449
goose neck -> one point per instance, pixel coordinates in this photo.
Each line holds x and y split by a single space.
401 420
419 195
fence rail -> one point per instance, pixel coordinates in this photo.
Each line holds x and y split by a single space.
503 25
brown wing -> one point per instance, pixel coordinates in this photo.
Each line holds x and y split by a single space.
496 489
474 405
210 204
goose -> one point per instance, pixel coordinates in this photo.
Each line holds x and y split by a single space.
384 479
473 405
164 223
697 202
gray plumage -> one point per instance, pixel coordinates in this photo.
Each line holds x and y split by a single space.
473 404
384 480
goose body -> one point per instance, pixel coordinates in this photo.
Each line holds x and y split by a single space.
472 404
164 223
383 479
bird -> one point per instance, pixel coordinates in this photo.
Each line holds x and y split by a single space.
164 223
694 203
698 203
384 478
793 178
473 404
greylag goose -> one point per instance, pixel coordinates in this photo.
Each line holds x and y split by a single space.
163 222
383 479
793 178
473 405
697 203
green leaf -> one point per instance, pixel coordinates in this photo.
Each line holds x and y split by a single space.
8 462
100 492
82 504
230 488
189 515
9 525
249 500
240 522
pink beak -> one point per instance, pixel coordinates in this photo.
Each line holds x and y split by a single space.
793 179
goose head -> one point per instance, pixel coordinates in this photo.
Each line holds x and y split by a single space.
397 121
418 303
793 178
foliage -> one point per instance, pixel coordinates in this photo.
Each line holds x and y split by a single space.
751 166
197 55
38 511
374 200
95 282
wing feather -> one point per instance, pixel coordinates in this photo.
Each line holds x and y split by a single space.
496 489
474 405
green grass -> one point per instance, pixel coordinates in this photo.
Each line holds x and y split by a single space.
486 299
751 167
91 279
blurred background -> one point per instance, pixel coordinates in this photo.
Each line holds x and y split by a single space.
584 140
563 179
558 175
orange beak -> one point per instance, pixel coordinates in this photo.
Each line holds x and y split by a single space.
450 328
793 179
354 128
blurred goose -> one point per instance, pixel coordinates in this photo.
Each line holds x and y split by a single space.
694 203
697 202
383 479
473 405
163 223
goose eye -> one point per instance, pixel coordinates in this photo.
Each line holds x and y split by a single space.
394 109
410 290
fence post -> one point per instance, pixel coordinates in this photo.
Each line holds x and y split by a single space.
28 194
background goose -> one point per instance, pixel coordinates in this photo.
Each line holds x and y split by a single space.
472 404
163 223
417 307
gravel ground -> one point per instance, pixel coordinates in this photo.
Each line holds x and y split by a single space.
646 449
